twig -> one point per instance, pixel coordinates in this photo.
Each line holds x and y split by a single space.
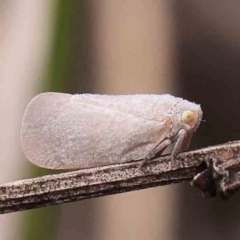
102 181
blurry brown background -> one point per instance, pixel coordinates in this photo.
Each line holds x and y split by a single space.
187 48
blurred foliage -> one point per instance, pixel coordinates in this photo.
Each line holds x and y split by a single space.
42 223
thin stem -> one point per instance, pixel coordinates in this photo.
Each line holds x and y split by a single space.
95 182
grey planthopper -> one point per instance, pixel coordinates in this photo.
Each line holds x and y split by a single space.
64 131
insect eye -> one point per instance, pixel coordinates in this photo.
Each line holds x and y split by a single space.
189 117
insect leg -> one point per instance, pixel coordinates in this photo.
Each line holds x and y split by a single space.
178 145
158 149
187 141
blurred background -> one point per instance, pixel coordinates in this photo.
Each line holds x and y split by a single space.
190 49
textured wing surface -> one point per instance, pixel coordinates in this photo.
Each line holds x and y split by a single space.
149 106
60 131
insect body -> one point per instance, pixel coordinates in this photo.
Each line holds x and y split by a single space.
64 131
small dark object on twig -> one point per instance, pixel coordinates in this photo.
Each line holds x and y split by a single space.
222 175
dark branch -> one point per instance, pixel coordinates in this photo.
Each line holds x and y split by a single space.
102 181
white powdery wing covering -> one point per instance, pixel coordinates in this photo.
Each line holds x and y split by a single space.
81 131
149 106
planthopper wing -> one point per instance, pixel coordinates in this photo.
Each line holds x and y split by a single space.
64 131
